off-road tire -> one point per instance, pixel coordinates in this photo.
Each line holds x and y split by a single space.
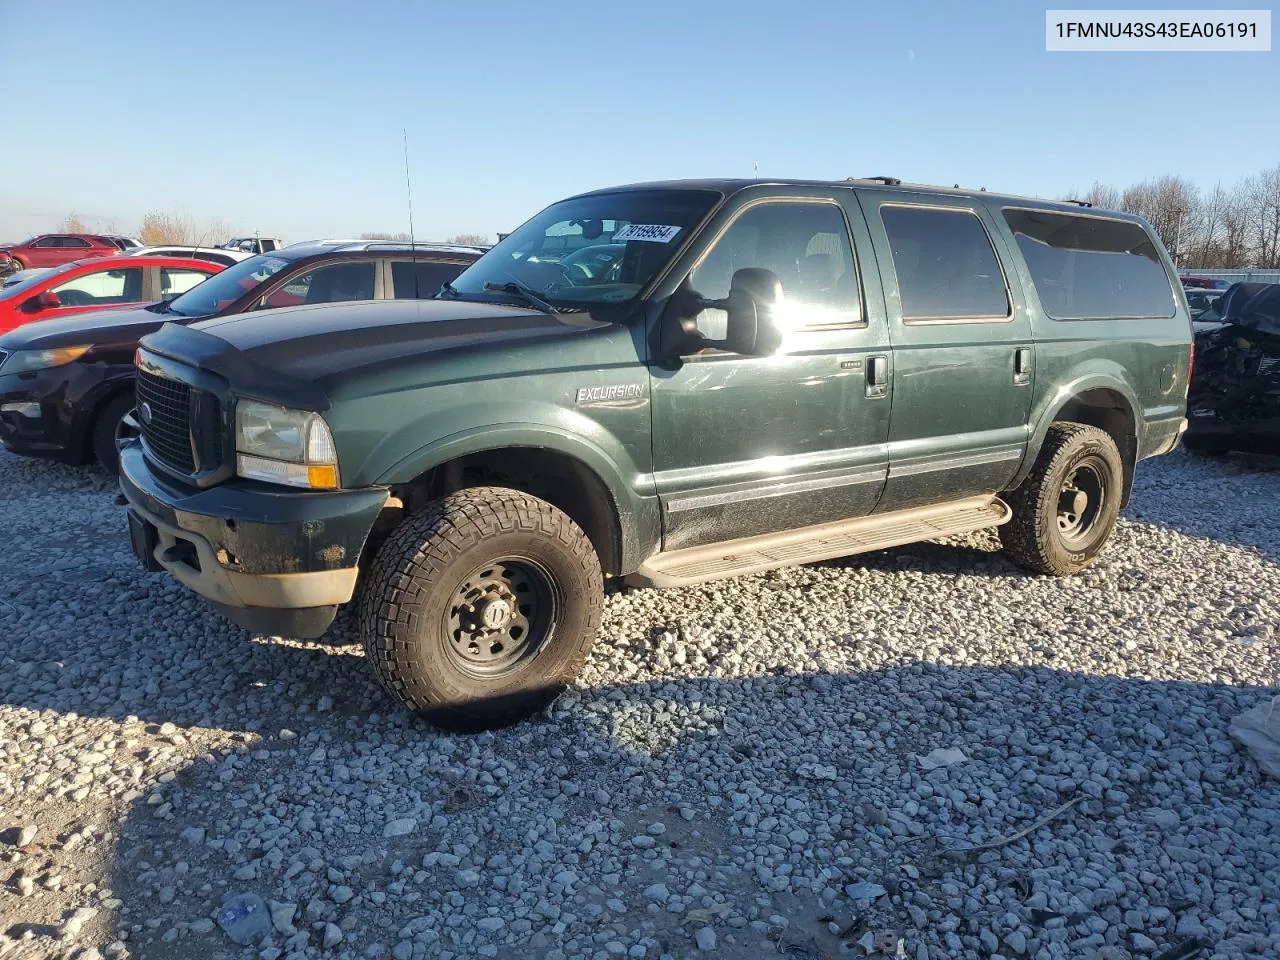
411 587
104 431
1032 538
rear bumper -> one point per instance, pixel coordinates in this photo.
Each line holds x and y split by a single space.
1162 436
270 559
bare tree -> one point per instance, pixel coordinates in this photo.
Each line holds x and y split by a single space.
470 239
72 224
165 228
1099 195
384 236
1235 228
1263 192
161 228
1170 204
1208 225
214 232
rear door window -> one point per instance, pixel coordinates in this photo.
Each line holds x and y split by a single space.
414 280
175 281
946 267
1091 268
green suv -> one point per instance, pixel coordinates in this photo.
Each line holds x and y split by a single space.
664 383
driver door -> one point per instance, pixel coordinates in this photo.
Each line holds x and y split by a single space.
747 445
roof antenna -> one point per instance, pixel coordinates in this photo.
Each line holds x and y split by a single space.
757 169
408 189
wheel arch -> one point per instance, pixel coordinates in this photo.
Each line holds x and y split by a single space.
87 420
571 474
1105 402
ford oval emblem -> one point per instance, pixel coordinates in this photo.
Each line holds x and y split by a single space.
144 414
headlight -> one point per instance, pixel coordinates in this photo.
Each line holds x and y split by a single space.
24 361
279 445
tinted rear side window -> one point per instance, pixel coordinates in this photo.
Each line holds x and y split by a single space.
946 267
1086 268
414 281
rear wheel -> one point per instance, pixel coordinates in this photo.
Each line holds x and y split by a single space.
112 425
1066 510
479 610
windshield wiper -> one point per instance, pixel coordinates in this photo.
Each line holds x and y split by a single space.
531 297
164 307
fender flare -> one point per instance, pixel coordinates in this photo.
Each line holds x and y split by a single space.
1061 397
634 504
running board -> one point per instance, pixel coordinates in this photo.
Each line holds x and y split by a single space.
826 541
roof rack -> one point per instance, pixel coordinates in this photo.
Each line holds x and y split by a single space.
1079 203
887 181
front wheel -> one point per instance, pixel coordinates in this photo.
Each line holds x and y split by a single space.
1065 511
113 425
479 610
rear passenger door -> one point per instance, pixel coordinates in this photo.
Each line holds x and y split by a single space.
963 354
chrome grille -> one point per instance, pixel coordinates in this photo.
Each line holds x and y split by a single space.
166 420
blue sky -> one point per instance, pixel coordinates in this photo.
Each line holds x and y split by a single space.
286 117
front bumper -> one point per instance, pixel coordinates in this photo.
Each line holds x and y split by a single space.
270 559
33 418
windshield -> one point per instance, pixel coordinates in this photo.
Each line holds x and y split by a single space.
222 289
31 278
598 249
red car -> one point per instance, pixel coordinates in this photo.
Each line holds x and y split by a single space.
102 283
55 249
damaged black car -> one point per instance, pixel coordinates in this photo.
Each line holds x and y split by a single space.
1234 398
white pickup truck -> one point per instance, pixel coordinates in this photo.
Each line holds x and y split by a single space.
252 245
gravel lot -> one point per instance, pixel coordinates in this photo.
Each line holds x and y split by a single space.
736 760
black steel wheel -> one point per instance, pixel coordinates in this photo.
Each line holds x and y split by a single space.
1065 511
1082 501
501 615
478 610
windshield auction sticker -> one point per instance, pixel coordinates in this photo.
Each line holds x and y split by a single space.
652 232
1170 31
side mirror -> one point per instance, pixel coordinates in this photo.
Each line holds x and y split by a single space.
750 328
43 301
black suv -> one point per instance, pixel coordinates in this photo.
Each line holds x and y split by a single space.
66 386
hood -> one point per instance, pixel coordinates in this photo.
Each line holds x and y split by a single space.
325 340
1261 312
98 327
